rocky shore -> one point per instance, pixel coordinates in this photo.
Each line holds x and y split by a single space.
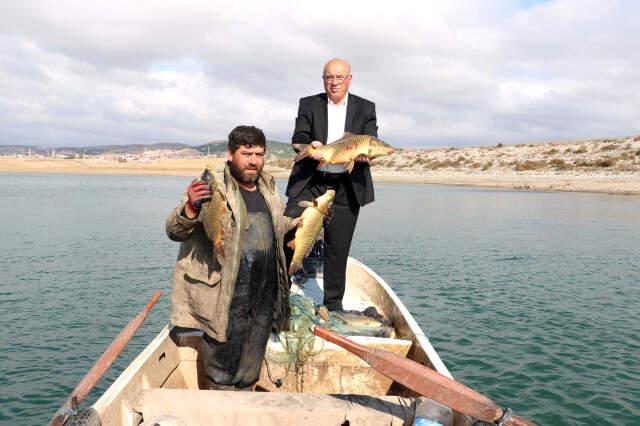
598 165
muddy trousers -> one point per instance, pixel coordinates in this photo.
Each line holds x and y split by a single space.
237 362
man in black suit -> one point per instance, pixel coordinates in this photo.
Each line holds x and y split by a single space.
322 119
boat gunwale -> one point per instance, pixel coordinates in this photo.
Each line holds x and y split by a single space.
421 338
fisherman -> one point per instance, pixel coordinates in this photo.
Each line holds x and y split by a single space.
323 119
236 301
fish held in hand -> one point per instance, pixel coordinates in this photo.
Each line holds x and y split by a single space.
309 226
213 212
346 149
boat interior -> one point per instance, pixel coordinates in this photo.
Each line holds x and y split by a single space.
323 384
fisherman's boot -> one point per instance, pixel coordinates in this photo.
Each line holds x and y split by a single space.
211 385
245 389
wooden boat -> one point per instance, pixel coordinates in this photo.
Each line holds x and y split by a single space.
163 384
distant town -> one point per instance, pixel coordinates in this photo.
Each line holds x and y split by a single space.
137 152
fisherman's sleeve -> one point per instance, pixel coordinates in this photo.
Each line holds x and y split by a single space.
302 131
371 122
286 223
177 225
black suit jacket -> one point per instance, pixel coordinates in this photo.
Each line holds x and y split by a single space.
312 125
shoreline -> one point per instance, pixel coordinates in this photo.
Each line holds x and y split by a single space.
616 183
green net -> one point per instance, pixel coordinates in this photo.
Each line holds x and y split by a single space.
300 344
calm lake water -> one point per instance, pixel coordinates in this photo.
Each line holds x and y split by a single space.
530 298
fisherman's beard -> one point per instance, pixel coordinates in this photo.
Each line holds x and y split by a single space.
245 175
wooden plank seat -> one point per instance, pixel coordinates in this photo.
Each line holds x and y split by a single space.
191 407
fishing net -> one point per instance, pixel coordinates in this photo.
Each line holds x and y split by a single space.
300 344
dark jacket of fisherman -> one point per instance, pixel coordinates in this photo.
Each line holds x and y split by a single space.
202 287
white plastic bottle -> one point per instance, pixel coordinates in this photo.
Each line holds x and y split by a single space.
432 413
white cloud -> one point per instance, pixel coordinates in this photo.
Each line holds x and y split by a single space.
441 73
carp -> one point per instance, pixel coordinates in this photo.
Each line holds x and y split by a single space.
309 225
363 323
213 211
346 149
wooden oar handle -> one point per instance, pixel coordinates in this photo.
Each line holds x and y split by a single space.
102 364
423 380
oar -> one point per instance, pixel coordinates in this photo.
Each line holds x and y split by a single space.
423 380
101 366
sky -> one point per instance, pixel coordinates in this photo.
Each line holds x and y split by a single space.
442 73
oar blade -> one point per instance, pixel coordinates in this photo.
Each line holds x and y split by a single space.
423 380
103 363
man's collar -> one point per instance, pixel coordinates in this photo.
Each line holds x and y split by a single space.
344 101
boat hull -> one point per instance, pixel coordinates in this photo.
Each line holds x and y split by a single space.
167 376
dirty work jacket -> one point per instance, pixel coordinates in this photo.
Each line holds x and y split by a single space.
202 287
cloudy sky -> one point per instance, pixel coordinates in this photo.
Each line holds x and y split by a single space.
79 73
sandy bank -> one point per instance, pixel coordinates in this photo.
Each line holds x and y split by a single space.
608 181
627 184
178 167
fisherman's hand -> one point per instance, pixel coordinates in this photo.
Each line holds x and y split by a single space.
316 155
198 192
362 158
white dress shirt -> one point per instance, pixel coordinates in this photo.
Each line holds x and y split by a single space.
336 117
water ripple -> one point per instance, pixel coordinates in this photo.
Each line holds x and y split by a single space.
529 298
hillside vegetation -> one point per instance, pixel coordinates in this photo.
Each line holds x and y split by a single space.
612 155
597 155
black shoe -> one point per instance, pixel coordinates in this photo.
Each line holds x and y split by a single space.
211 385
298 278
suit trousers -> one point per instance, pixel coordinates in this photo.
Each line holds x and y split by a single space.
338 230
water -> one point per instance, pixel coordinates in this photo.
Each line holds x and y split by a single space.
530 298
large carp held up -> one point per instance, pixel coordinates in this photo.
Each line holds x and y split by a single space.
213 211
346 149
309 226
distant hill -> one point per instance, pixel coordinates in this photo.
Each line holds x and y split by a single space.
127 149
278 149
18 149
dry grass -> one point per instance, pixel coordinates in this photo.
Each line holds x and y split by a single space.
609 147
607 162
583 163
528 165
281 163
436 164
560 164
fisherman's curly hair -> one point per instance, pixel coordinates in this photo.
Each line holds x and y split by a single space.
248 136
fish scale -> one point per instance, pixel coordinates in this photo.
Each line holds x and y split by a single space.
346 149
213 212
307 233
